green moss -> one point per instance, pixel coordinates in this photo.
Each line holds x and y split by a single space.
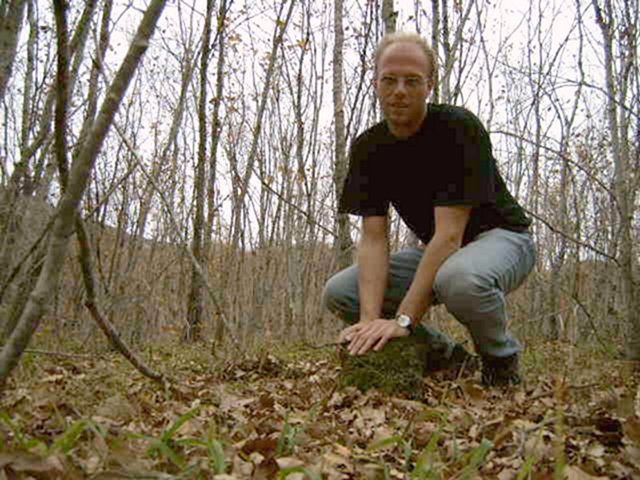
397 369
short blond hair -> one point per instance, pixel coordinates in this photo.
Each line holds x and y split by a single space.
409 37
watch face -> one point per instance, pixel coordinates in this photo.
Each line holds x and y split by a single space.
404 321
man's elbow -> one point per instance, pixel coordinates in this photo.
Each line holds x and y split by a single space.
451 239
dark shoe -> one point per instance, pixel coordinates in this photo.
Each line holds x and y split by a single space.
459 360
500 371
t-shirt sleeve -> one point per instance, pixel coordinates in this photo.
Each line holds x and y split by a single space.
363 192
467 176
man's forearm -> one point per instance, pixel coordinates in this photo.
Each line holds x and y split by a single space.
373 265
419 296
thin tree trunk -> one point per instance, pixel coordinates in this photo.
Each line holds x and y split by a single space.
216 131
623 176
11 14
196 298
389 16
216 124
344 244
435 32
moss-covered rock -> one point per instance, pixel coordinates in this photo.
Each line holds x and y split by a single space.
397 369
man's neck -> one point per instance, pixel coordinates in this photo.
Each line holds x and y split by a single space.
407 130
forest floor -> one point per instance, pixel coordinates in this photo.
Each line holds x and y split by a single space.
279 414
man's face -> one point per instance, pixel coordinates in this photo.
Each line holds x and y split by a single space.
402 86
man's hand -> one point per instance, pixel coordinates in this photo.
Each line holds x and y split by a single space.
374 334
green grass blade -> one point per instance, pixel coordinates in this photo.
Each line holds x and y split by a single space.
172 455
526 468
384 442
178 423
425 459
19 438
68 439
476 458
216 456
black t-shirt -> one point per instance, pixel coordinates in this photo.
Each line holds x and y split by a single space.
447 162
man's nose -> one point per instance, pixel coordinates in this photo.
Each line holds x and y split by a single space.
401 88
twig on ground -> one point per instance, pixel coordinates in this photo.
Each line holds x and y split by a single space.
92 305
552 392
61 354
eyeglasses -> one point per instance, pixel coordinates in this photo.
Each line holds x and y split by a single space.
411 82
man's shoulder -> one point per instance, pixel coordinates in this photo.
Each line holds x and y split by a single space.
445 120
454 114
375 135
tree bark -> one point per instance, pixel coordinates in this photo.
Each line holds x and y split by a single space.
196 298
618 121
343 242
11 14
389 16
216 132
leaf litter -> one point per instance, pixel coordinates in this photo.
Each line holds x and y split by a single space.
283 415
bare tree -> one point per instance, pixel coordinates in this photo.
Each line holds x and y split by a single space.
195 300
343 242
618 27
216 132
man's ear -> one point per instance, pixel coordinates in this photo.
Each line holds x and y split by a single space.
430 85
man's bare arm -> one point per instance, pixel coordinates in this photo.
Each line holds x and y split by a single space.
450 223
373 266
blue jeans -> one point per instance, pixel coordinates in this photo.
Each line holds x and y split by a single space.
471 283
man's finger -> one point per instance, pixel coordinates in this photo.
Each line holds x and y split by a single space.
356 344
381 343
368 343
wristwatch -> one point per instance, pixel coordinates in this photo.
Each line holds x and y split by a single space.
405 322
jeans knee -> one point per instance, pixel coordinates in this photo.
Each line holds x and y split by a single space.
329 294
456 286
336 296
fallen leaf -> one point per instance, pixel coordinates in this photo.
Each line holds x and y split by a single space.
632 454
574 473
507 474
50 467
266 470
117 408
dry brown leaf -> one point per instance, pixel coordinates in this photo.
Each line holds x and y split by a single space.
595 450
632 455
50 468
632 431
117 408
507 474
383 433
266 470
336 462
241 468
265 446
575 473
372 471
539 445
